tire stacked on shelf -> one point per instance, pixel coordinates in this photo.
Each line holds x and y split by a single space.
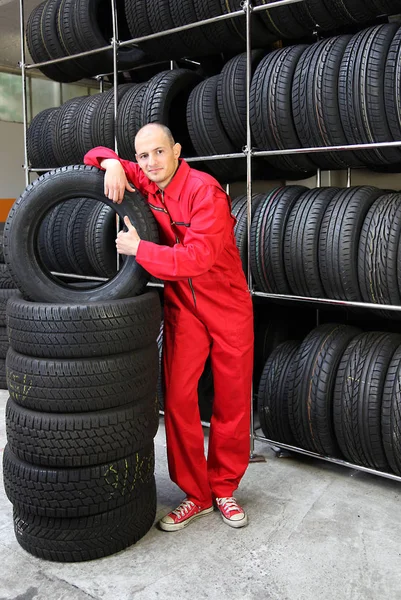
336 394
332 243
8 289
80 423
58 28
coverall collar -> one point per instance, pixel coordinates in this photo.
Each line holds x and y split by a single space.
174 188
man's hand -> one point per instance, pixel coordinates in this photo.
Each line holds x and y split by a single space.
127 242
115 180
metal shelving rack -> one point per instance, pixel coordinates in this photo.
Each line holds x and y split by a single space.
248 152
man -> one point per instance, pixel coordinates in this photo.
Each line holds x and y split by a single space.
207 308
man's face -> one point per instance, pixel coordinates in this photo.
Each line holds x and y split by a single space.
156 156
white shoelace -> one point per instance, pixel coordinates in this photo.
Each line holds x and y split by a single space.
229 504
184 508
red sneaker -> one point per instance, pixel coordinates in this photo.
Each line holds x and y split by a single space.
233 514
179 518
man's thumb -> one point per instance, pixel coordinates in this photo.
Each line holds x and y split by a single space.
128 223
129 187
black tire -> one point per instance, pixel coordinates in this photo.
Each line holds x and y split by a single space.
37 45
3 380
391 413
129 120
231 96
311 385
314 105
301 242
100 242
6 279
76 492
102 121
66 133
87 538
86 25
83 330
23 224
4 345
392 86
271 109
378 269
40 140
219 34
267 239
357 399
239 208
361 94
160 19
183 13
82 439
339 242
165 101
207 132
81 385
273 394
288 22
5 294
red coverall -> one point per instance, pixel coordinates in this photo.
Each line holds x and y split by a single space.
207 308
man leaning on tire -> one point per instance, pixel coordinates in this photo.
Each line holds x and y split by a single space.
207 309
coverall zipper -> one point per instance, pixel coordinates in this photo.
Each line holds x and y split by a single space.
177 240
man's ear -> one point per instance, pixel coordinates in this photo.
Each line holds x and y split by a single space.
177 150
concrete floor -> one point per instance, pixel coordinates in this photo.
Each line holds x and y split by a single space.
317 532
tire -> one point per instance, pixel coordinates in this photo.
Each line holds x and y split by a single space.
391 421
87 538
6 279
102 121
86 25
288 22
81 385
273 394
160 19
83 330
129 120
271 109
207 132
23 223
100 242
361 94
231 96
3 342
165 101
314 105
219 34
76 492
183 13
392 86
40 140
357 399
37 45
239 209
339 242
267 239
5 294
378 253
311 385
301 242
82 439
3 380
66 133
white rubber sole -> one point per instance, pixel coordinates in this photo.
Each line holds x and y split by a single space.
177 526
236 524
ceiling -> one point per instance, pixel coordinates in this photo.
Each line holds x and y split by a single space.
10 46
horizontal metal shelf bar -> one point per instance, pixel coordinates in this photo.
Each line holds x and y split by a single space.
327 301
154 284
337 461
215 157
71 275
361 146
65 58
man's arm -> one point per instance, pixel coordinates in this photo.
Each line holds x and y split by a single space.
118 173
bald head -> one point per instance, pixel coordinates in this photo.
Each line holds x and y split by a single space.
152 129
157 153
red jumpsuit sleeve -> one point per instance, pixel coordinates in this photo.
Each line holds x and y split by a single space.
133 172
202 244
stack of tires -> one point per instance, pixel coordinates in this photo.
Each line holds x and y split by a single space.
82 375
336 393
7 289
